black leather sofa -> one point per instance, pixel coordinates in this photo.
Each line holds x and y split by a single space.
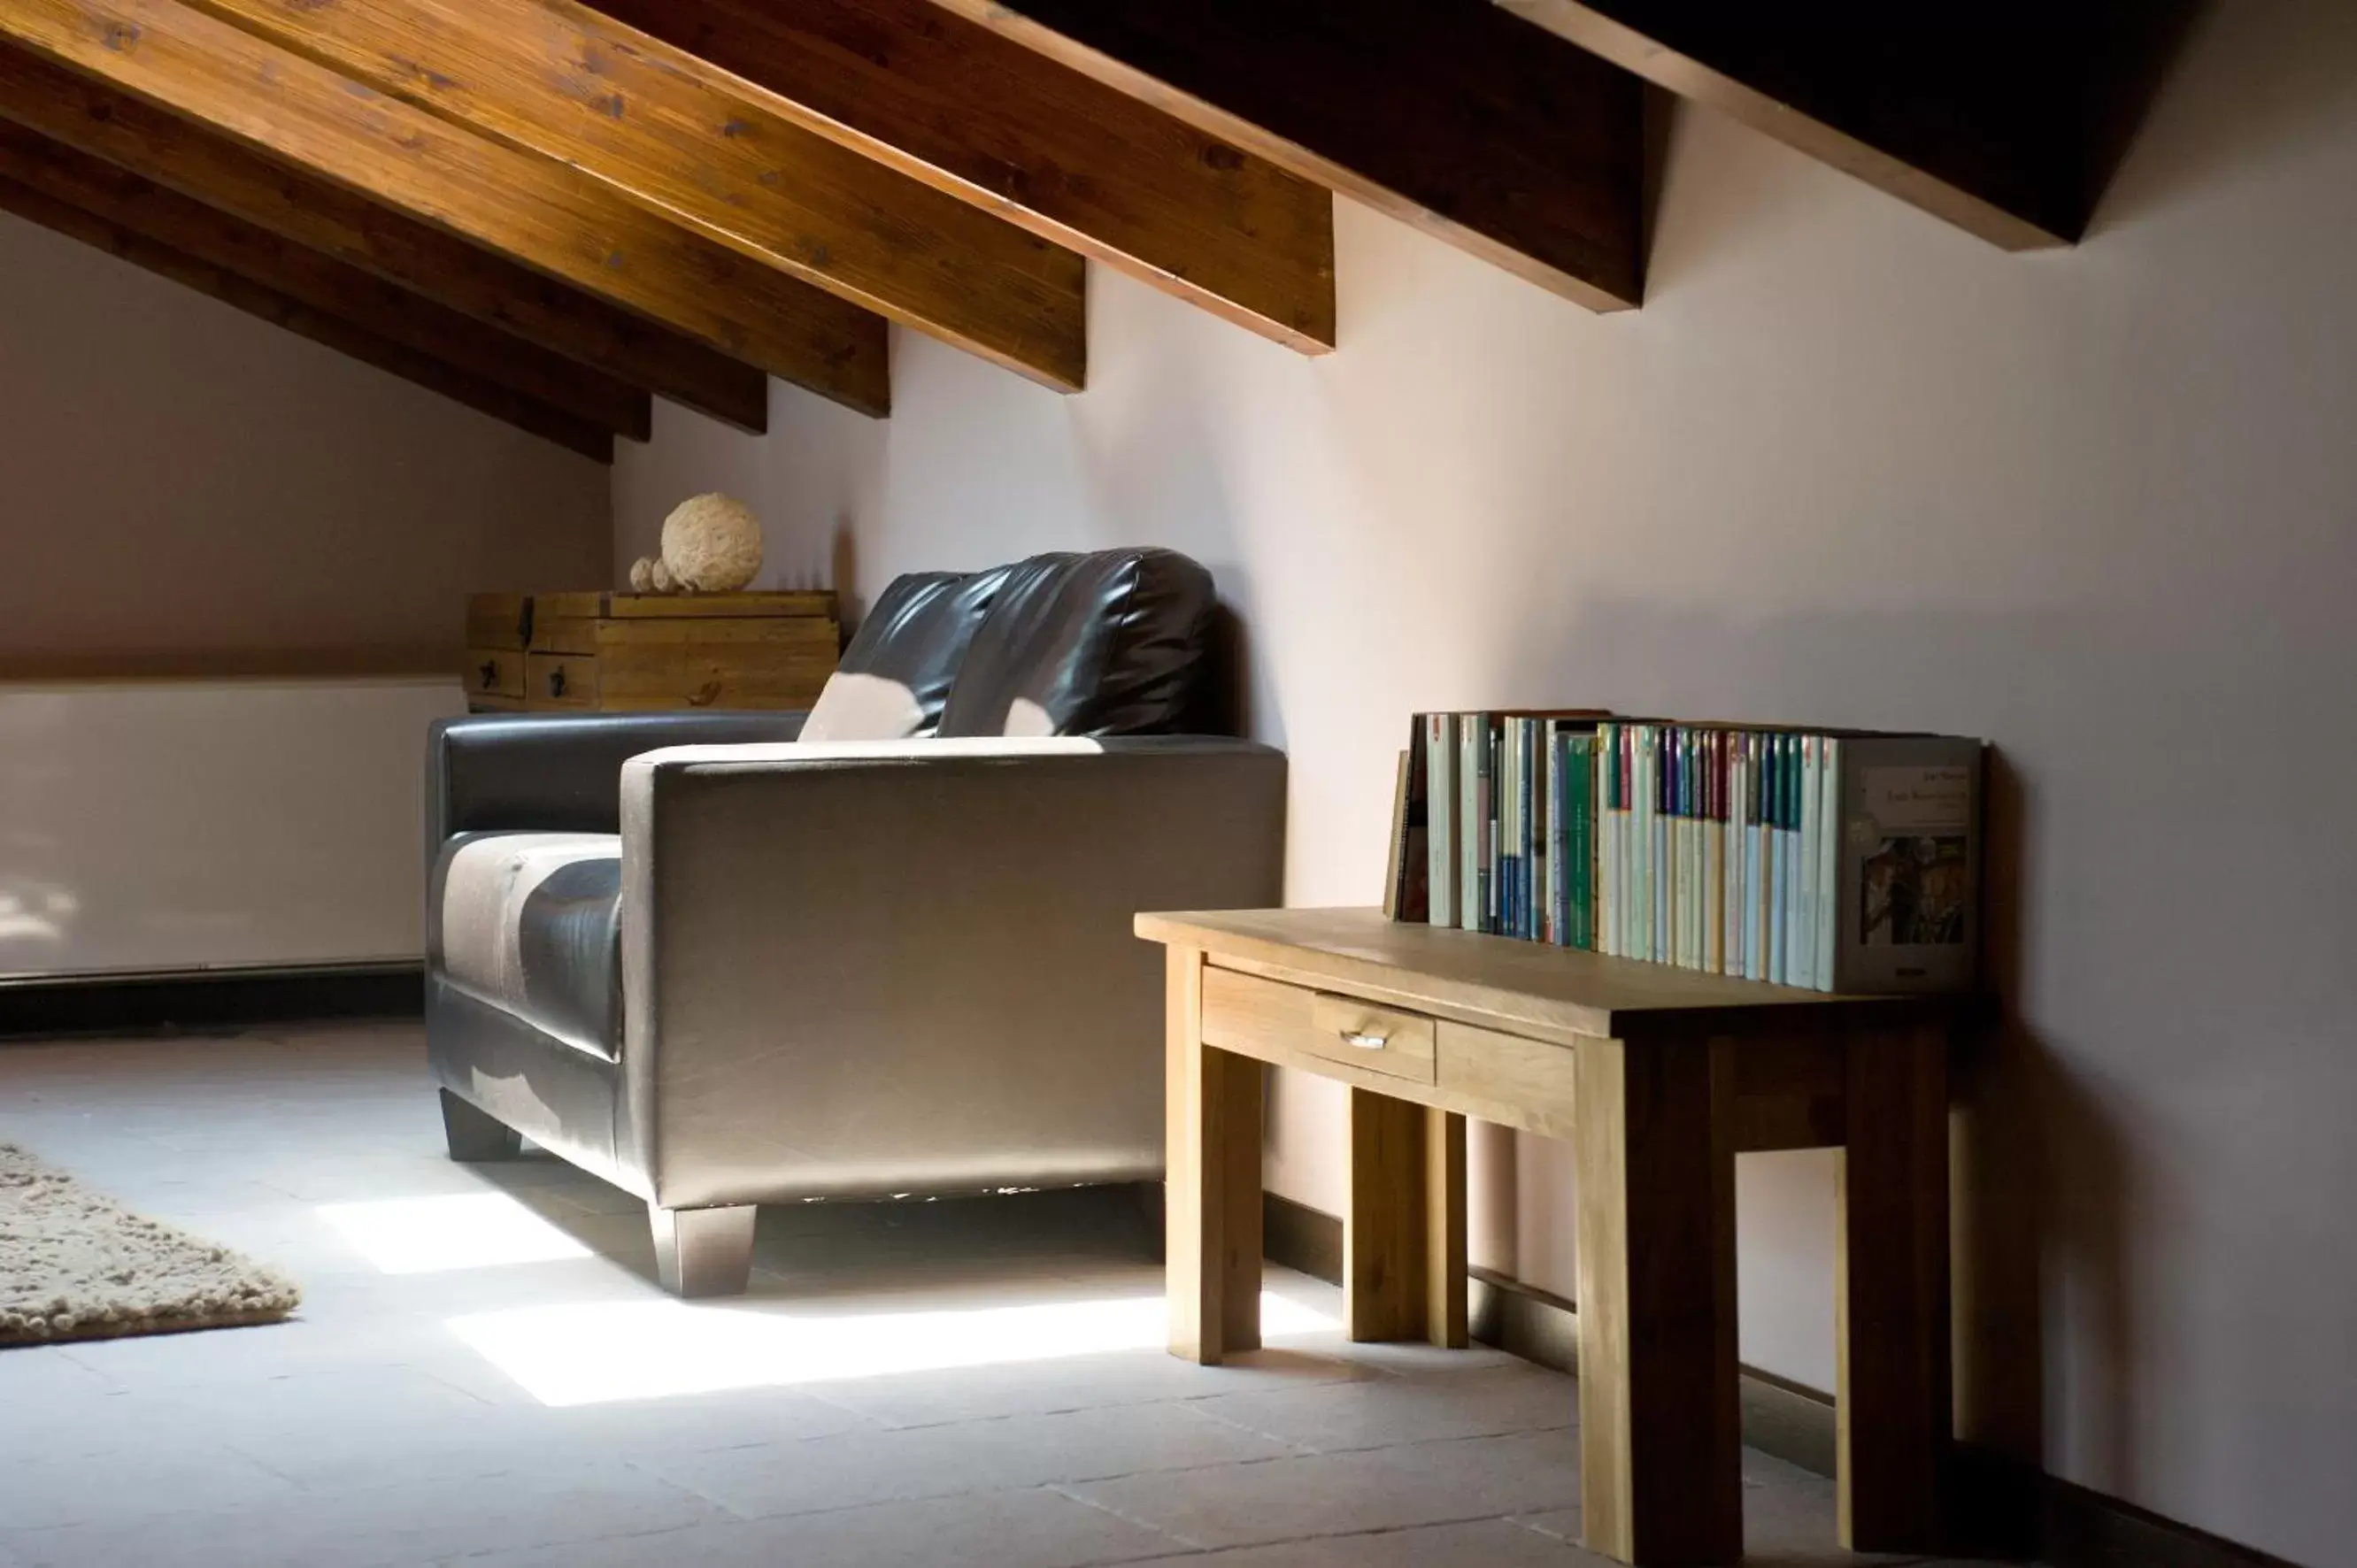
721 964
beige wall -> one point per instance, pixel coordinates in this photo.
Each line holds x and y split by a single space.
182 486
1848 467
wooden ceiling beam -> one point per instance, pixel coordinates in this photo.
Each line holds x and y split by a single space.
1447 115
2004 117
337 288
557 78
428 371
552 218
73 111
953 104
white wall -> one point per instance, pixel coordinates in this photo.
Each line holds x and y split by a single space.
1847 467
186 489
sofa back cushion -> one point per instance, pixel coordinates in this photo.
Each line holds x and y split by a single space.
1109 643
892 681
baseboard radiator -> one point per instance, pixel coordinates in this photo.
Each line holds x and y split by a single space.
196 827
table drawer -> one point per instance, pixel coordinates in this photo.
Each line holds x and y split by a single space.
1506 1079
494 672
1272 1020
561 681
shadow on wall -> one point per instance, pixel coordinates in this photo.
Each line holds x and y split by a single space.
1995 1168
2014 1103
850 604
2246 82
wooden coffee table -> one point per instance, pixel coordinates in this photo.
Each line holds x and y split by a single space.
1659 1077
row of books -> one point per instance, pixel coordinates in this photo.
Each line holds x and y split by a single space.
1834 860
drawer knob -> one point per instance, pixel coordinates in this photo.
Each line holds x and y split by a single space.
556 681
1365 1041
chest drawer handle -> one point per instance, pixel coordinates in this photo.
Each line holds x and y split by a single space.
1363 1040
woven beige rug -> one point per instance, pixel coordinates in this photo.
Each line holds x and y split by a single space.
75 1264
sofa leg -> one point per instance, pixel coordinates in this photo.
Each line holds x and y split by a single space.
474 1134
704 1252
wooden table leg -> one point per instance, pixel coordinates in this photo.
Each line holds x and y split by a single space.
1660 1434
1212 1192
1404 1236
1444 1228
1895 1397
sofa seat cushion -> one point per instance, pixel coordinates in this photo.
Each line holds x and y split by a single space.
531 924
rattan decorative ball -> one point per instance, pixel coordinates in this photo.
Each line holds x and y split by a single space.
712 544
643 574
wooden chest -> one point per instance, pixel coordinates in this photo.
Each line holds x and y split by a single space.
643 652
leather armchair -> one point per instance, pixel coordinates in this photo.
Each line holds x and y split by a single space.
720 968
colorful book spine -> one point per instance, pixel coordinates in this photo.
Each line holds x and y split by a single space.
1655 892
1607 838
1682 888
1714 868
1533 827
1440 827
1579 905
1490 795
1794 775
1779 863
1469 807
1829 848
1763 865
1797 884
1501 872
1805 898
1732 931
1665 862
1673 845
1596 796
1699 842
1635 923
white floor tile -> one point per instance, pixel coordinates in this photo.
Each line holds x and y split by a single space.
368 1433
1379 1412
1336 1494
1000 1530
1008 1454
1486 1544
410 1523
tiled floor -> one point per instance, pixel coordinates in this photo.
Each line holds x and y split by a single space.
484 1372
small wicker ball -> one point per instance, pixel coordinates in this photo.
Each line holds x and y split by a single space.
712 544
660 579
643 574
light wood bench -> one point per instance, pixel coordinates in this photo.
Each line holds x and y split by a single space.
1659 1077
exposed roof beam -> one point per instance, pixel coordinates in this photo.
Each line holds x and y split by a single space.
558 79
553 219
2004 117
414 365
74 110
1444 113
337 288
968 112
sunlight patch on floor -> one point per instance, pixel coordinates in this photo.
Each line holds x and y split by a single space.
464 1230
592 1354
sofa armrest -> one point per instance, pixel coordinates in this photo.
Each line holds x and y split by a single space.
559 772
851 968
